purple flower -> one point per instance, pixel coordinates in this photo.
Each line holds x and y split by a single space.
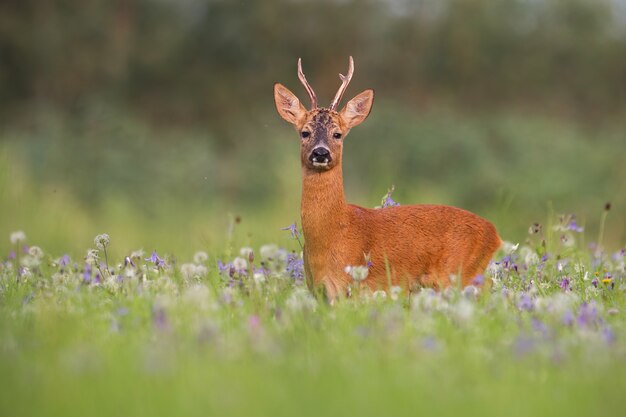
226 269
388 201
12 254
478 280
525 302
156 260
594 282
564 284
64 261
87 274
573 226
587 314
608 335
523 345
295 266
568 318
293 229
128 261
539 326
159 318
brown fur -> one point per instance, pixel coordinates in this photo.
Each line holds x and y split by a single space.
419 245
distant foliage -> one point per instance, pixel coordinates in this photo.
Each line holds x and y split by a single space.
214 61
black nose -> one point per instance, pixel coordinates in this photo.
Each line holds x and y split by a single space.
320 155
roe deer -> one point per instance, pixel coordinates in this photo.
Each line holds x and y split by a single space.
409 246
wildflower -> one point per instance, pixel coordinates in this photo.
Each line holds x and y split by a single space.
92 257
574 227
395 292
128 261
64 261
188 270
564 284
608 335
539 326
200 257
293 229
568 318
379 295
478 280
247 253
301 300
159 318
470 292
87 273
156 260
240 265
225 269
101 241
17 237
587 314
358 273
35 252
463 310
268 252
295 266
387 201
523 345
525 302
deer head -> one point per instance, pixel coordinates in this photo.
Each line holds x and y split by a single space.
322 130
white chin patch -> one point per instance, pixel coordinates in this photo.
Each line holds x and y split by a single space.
320 164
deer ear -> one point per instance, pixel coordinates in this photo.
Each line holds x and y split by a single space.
287 104
357 109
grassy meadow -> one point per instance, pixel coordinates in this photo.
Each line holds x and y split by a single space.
193 302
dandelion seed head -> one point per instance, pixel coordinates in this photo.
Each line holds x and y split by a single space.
35 252
200 257
358 273
17 237
101 241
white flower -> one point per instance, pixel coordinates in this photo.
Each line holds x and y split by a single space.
26 274
509 247
358 273
30 261
301 299
379 294
463 310
188 270
268 252
395 291
35 252
246 252
200 257
92 256
259 278
137 254
240 264
201 270
197 295
101 241
17 237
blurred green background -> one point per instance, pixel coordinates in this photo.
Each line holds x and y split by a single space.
153 120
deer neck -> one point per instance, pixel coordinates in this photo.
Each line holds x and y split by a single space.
324 208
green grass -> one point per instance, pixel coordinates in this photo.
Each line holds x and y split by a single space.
159 342
185 340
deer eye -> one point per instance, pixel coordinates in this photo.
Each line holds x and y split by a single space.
305 134
337 135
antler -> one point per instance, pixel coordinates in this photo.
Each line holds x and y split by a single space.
306 85
345 80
